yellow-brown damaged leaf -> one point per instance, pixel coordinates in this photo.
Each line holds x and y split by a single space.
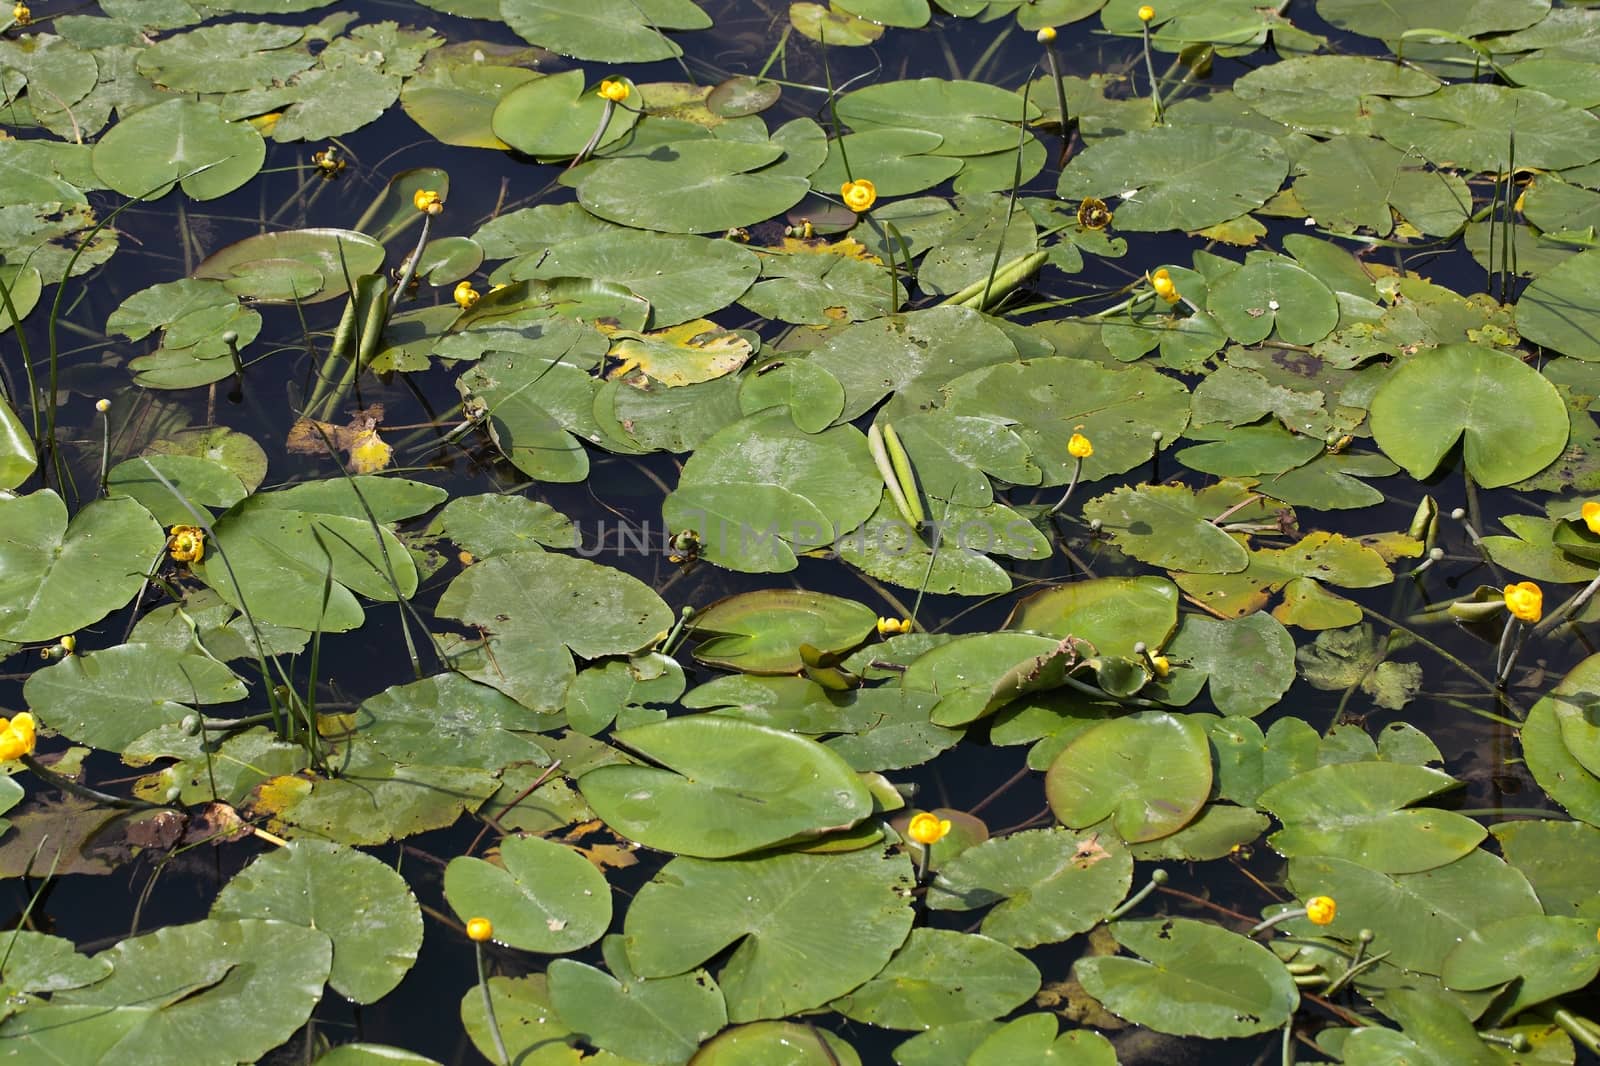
684 354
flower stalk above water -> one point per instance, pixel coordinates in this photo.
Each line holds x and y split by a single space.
1080 448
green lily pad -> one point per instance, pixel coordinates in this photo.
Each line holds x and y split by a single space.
752 505
1511 418
38 962
683 277
692 187
1468 125
455 102
833 26
685 354
804 929
545 897
972 117
18 460
362 905
776 1043
491 524
1049 884
556 116
57 577
531 607
1218 648
1112 613
251 267
942 976
226 58
1170 526
1559 858
611 31
1225 173
761 632
1559 309
1044 401
198 482
1328 94
281 563
447 720
660 1021
110 698
1194 979
1353 810
729 787
1352 182
1545 956
1267 295
167 988
180 141
1150 772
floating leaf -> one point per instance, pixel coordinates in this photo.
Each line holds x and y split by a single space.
661 1020
761 632
555 117
1150 772
1511 418
148 151
362 905
1050 884
545 896
1194 979
613 31
943 976
808 928
57 577
728 787
692 187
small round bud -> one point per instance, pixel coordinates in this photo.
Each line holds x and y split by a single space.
1157 436
1436 554
190 724
1459 513
230 337
479 930
1140 647
1046 35
1366 936
1146 13
174 794
102 405
1158 876
1095 525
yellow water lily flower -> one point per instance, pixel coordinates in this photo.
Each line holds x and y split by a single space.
888 627
613 89
479 929
428 201
1591 516
927 829
1321 909
1161 665
1525 601
1078 446
1146 13
328 162
187 544
1046 35
466 296
1094 214
16 737
859 195
21 14
1161 282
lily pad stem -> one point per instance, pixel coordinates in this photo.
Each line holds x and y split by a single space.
1076 470
1578 1027
1571 607
488 1009
66 784
1158 877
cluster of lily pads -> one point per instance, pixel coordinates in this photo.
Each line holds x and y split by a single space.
1126 404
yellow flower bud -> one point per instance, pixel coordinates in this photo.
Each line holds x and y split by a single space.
1591 516
1046 35
1146 13
888 627
17 737
1078 445
1161 665
102 405
21 14
1321 909
69 643
859 195
479 929
927 829
466 296
1525 601
1161 282
428 201
613 89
